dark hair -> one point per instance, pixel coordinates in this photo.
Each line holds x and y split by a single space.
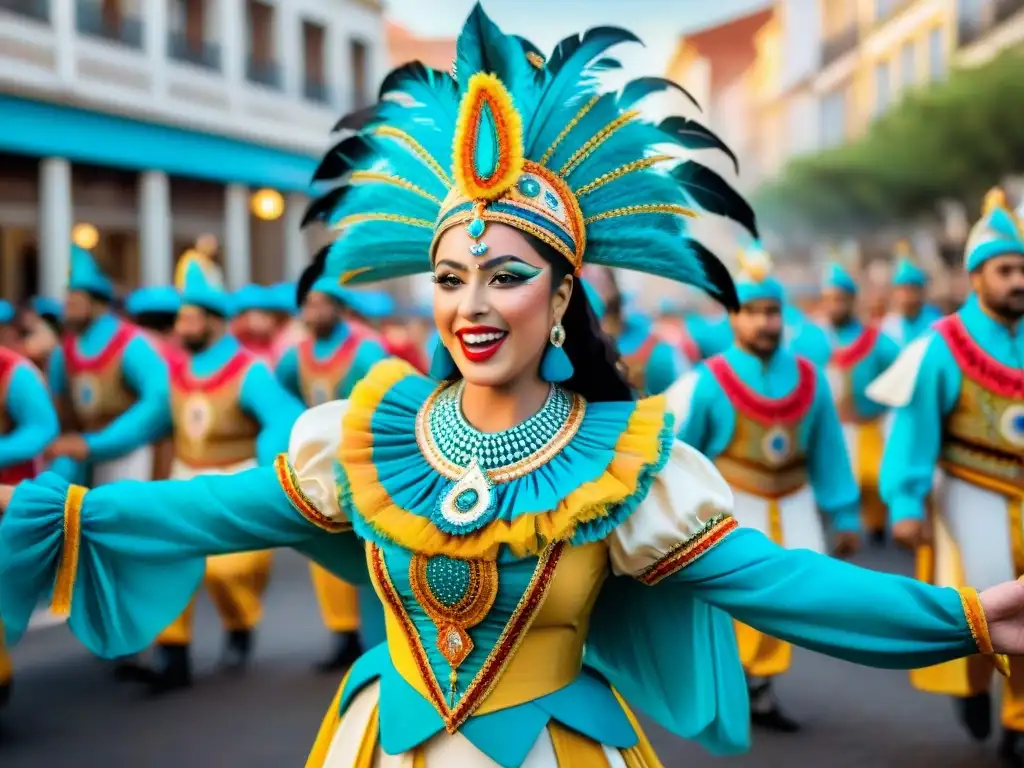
161 322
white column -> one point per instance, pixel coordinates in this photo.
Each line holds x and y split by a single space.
155 244
237 264
296 255
234 29
62 17
155 26
54 225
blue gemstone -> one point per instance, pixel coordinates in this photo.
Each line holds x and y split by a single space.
466 500
550 200
529 186
478 249
778 443
1018 422
475 228
487 156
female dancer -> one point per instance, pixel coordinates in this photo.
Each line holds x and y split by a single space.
527 507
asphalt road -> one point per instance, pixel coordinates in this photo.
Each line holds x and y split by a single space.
68 712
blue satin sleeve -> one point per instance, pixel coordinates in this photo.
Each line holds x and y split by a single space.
828 463
287 371
276 410
826 605
148 419
912 450
368 355
664 366
31 411
56 372
142 548
710 421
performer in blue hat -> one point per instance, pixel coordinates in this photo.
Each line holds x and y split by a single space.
28 423
229 414
490 510
686 331
323 368
860 353
959 394
765 416
111 384
911 315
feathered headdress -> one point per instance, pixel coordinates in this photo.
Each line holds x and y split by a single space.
907 271
998 232
755 280
529 142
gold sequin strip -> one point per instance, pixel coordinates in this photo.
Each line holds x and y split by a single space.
360 218
417 148
637 165
387 178
569 126
629 210
437 460
596 141
690 550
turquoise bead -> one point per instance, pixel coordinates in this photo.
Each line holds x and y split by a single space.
448 579
478 249
475 228
551 201
466 500
529 186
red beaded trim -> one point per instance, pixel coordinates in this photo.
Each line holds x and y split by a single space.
687 552
766 410
290 484
184 381
976 363
77 363
490 673
848 356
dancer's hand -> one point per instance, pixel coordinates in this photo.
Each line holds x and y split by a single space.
6 492
846 543
1004 610
911 533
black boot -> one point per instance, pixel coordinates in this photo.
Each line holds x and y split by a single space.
128 669
173 671
347 648
877 538
764 708
237 650
5 692
975 713
1011 749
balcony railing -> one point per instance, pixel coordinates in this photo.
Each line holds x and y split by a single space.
123 29
1006 9
266 73
316 90
201 54
886 9
840 43
33 9
971 28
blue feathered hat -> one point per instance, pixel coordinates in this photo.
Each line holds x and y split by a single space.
283 298
373 305
359 302
201 285
532 143
84 274
7 312
46 306
755 280
907 272
836 276
251 297
156 298
999 232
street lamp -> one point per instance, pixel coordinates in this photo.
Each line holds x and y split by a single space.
85 236
267 204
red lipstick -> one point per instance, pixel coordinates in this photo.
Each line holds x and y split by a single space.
481 342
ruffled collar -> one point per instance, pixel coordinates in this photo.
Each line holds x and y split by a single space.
591 476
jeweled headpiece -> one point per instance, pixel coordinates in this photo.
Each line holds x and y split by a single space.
534 143
999 231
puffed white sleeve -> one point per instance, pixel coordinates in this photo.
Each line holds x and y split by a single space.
308 474
687 511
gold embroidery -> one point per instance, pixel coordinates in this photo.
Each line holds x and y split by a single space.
67 571
685 553
289 482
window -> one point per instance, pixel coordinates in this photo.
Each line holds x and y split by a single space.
936 54
833 119
908 65
359 55
313 47
261 67
883 8
882 87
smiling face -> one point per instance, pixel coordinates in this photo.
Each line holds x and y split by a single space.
495 312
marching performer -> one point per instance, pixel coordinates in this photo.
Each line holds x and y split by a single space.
229 414
911 315
860 354
651 363
28 422
765 417
110 382
322 368
686 331
959 395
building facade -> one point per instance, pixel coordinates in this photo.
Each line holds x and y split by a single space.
142 125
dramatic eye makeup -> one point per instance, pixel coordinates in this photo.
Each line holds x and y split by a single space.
511 270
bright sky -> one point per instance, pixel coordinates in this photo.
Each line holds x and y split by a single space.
657 22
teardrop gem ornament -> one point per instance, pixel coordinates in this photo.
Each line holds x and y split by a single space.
488 149
467 503
475 228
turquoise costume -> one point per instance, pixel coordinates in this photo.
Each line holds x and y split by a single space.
652 363
28 422
802 336
499 557
113 381
901 329
7 312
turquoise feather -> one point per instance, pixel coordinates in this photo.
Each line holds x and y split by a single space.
486 157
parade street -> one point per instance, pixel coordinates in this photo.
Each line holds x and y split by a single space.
68 711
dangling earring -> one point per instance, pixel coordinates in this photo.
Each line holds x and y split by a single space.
442 366
556 365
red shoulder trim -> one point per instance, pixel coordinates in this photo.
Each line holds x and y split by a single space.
340 357
976 363
8 361
76 363
688 346
643 352
766 410
236 366
857 350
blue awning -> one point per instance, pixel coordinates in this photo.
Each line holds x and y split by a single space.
43 129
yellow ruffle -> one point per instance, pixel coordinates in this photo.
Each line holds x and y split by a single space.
638 448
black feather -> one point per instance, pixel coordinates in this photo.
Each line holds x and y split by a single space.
342 157
356 121
605 37
720 282
311 274
713 193
607 64
692 135
322 207
643 87
414 70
